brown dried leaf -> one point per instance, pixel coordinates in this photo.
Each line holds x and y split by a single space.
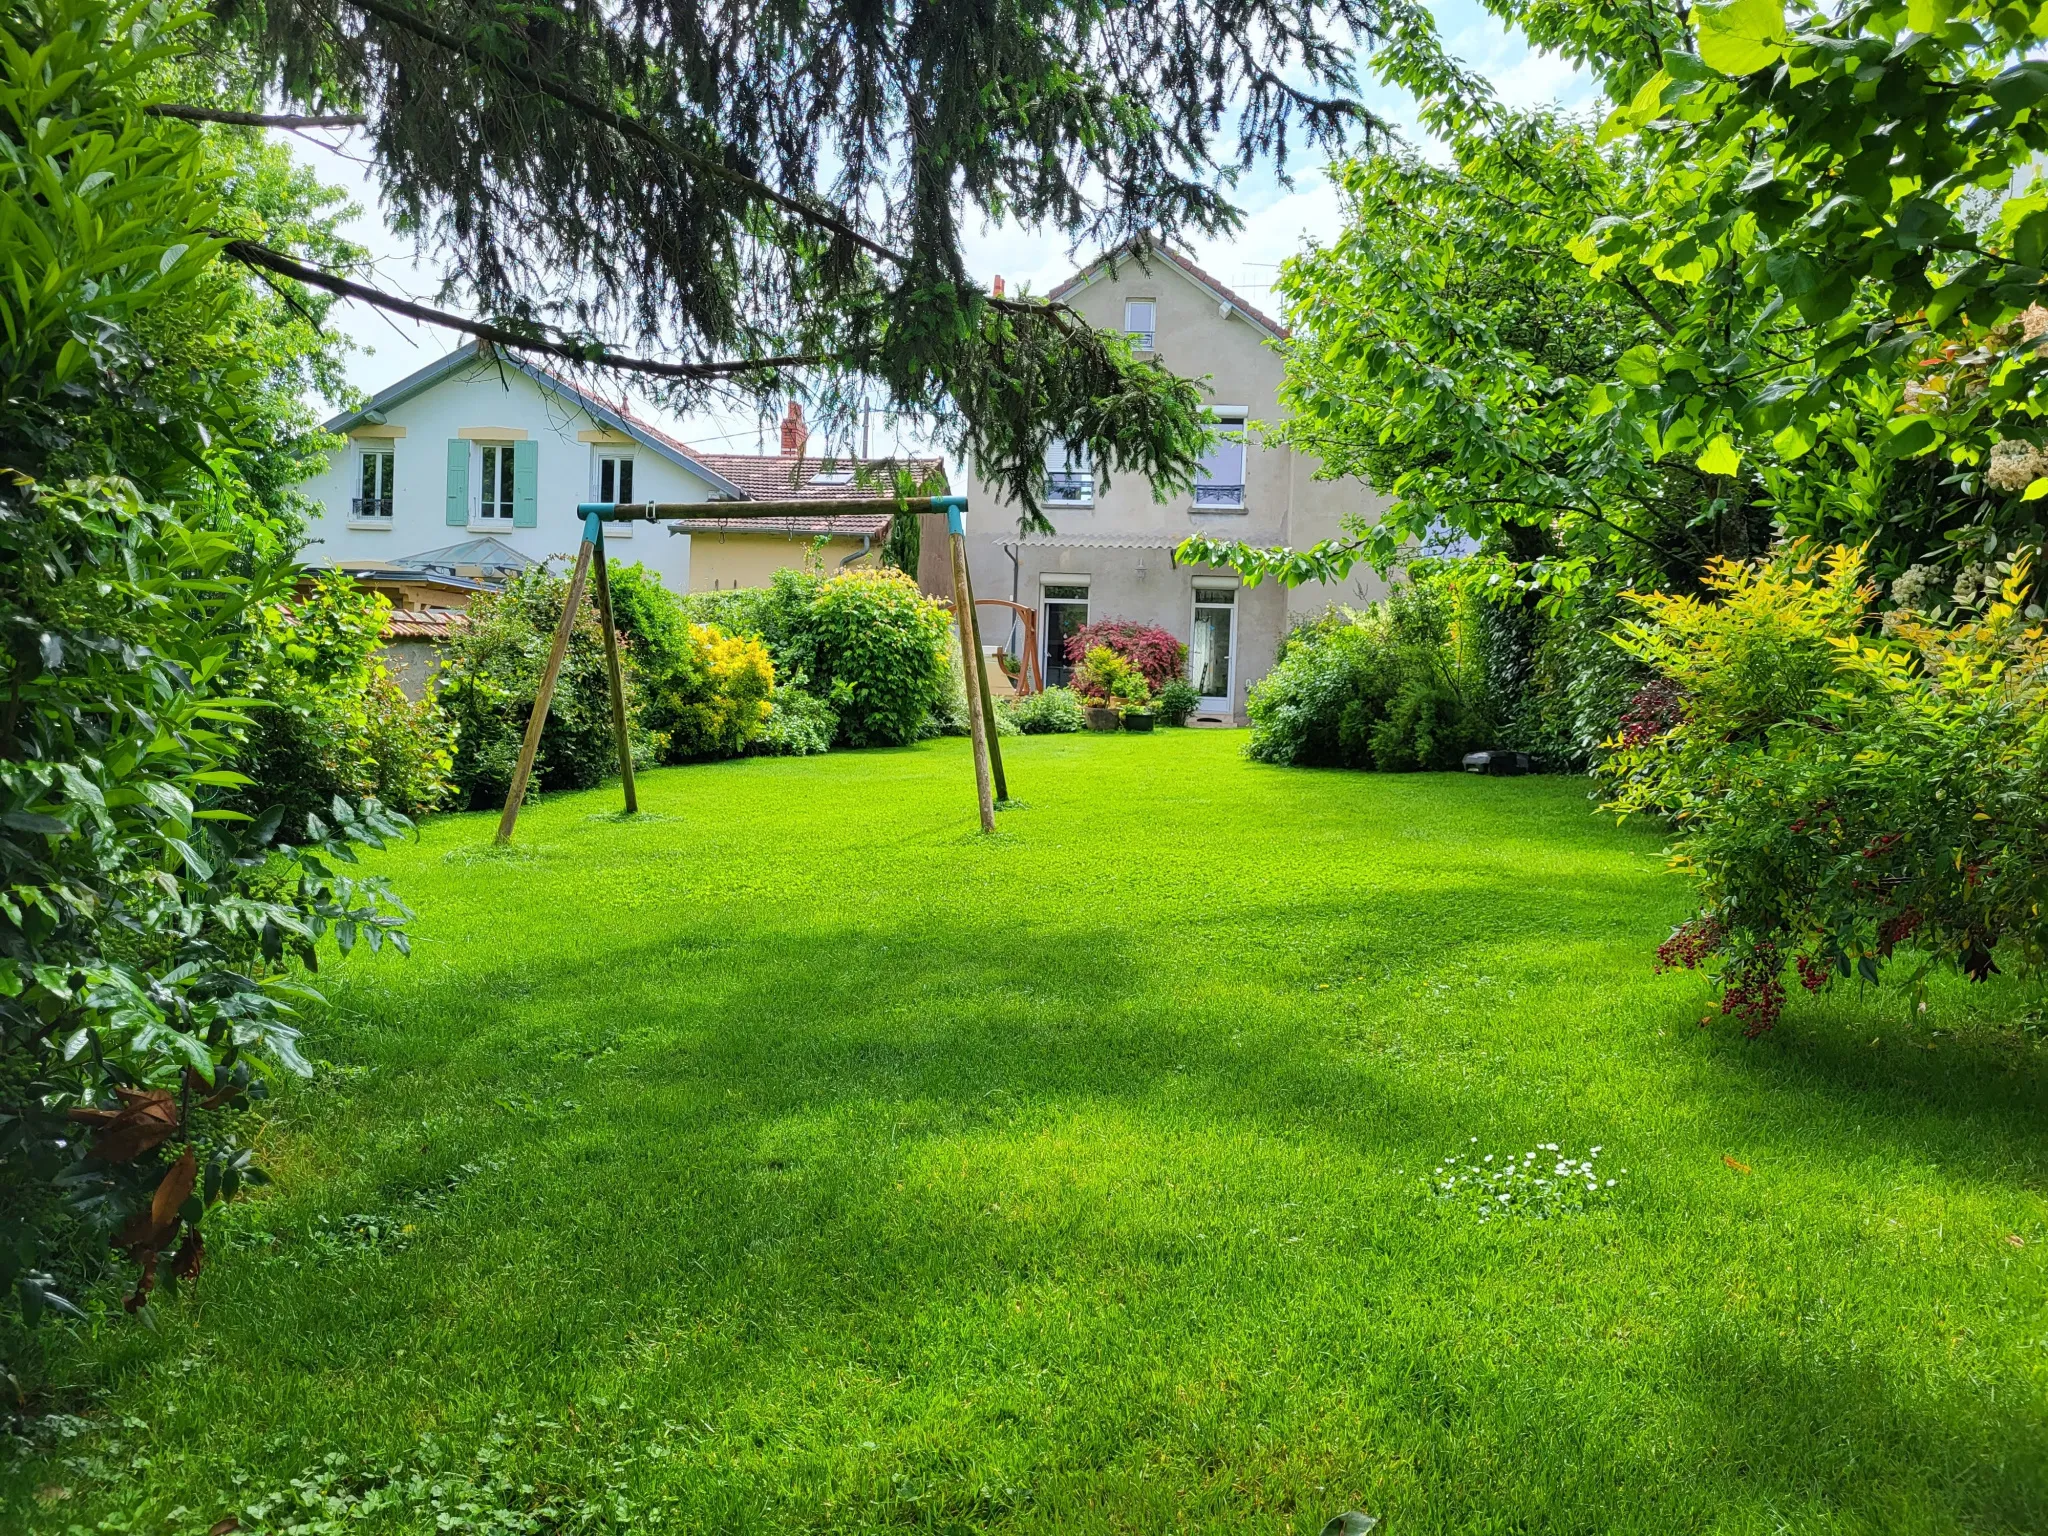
1738 1167
223 1527
2015 1239
146 1120
175 1190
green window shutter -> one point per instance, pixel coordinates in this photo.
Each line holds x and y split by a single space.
525 484
458 483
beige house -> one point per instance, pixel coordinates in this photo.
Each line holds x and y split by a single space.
1110 555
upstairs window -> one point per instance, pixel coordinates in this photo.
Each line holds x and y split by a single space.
372 501
494 496
1219 483
1141 322
1069 477
615 477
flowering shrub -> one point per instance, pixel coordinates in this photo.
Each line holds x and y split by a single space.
1152 651
712 697
1840 788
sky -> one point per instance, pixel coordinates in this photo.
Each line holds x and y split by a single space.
1279 221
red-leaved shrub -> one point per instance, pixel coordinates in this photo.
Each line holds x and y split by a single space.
1152 650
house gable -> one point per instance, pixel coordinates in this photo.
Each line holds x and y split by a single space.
1119 264
477 361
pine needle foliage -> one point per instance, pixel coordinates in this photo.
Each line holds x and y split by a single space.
764 189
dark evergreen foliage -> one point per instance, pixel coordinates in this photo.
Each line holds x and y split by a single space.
761 180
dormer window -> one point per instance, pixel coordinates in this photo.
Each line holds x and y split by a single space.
1141 322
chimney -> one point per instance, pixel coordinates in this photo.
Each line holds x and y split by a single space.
794 432
999 285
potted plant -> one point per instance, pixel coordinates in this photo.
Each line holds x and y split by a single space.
1131 695
1098 679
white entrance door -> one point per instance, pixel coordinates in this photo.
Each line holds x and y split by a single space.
1212 650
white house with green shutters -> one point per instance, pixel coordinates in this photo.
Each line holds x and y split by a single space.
481 446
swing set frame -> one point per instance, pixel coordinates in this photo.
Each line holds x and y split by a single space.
990 785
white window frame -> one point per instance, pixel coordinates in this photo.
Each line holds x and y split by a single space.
619 454
1213 490
387 450
478 449
1213 703
1141 324
1069 476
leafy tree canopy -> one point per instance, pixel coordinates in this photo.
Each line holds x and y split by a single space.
1798 234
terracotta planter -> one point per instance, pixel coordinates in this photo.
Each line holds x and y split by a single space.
1137 720
1101 719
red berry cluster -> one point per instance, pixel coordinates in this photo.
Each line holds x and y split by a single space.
1653 711
1690 944
1812 974
1898 929
1756 993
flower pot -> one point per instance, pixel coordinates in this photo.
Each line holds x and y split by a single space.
1138 720
1101 719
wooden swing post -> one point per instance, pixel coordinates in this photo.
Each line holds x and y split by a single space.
980 664
593 532
978 725
617 681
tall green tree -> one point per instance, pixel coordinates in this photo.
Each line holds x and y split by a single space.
755 191
1808 228
151 936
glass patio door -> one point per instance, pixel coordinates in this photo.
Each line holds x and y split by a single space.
1066 612
1212 648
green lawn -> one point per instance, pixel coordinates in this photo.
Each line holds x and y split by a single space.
794 1159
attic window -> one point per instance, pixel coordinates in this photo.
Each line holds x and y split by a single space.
833 477
1141 319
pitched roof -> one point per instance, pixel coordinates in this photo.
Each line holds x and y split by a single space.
785 477
859 525
424 623
1100 267
610 413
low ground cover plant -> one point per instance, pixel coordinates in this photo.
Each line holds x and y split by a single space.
1856 795
1541 1183
1050 711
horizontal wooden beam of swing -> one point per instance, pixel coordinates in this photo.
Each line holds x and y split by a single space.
671 511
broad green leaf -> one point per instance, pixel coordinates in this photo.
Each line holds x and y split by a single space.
1741 37
1639 366
1792 441
2036 490
1720 458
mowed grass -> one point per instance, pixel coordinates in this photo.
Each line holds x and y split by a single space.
791 1158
